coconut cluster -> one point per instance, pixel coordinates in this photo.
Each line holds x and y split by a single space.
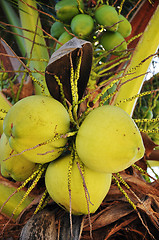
79 168
80 158
102 24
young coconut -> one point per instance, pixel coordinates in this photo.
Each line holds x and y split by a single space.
57 29
108 17
124 27
64 38
108 140
59 174
16 167
113 41
82 25
67 9
32 122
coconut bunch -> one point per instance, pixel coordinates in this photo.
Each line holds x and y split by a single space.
100 24
81 150
80 162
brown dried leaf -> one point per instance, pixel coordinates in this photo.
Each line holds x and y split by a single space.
5 60
109 215
10 61
115 209
27 89
150 207
117 227
154 155
148 143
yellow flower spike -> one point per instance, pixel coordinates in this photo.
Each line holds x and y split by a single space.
29 189
42 200
61 91
122 191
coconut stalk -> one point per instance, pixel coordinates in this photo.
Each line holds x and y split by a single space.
34 42
138 66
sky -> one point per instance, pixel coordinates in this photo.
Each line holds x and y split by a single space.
153 69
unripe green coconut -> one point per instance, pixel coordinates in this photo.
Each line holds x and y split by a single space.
124 27
108 140
113 40
82 25
57 29
56 180
64 38
32 122
67 9
107 16
16 167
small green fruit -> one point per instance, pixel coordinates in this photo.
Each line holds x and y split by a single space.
32 122
67 9
56 180
113 40
64 38
16 167
108 17
124 27
82 25
57 29
108 140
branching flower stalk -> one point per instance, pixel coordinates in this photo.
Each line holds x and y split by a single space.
26 194
87 196
13 200
42 202
23 185
123 191
130 99
118 61
61 91
56 137
74 90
